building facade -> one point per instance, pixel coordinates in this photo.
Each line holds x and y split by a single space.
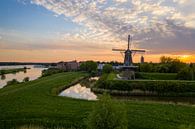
68 66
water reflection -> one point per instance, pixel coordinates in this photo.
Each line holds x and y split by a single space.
94 78
33 73
79 92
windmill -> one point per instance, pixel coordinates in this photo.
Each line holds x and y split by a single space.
128 69
128 61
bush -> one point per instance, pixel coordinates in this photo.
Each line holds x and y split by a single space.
166 65
186 73
159 86
12 82
107 68
107 114
50 71
26 79
156 76
89 66
146 67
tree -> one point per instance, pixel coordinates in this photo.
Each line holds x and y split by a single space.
172 65
107 114
107 68
163 68
89 66
164 59
186 73
146 67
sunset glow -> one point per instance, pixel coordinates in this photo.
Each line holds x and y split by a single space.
53 30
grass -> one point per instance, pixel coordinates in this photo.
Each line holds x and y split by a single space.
16 70
157 76
33 103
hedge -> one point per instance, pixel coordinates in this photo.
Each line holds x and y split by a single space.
156 76
157 86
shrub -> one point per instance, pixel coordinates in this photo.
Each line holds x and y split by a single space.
89 66
107 68
50 71
2 72
26 79
107 114
156 76
186 73
12 82
159 86
166 65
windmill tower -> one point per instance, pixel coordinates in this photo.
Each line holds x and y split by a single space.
128 66
128 61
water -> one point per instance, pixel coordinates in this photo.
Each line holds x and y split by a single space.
80 92
33 73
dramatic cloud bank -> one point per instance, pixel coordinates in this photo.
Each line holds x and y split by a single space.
159 25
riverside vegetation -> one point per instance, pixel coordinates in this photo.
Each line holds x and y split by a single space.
36 103
15 70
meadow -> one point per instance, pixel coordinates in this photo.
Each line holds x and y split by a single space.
36 103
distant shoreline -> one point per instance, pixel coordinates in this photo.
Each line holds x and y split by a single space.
23 63
14 70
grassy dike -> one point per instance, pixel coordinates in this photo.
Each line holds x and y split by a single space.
37 104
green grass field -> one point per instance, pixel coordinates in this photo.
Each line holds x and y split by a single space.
37 104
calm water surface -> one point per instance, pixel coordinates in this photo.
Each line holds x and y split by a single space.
33 73
80 92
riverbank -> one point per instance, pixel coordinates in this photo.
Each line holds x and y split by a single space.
37 103
15 70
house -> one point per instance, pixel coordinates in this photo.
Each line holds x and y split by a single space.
61 65
68 66
100 67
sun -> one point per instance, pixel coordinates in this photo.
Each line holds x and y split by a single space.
184 58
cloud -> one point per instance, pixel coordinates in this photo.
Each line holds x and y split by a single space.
154 24
121 1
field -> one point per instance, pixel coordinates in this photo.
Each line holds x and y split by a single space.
37 103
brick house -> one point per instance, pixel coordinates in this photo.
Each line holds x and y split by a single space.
68 66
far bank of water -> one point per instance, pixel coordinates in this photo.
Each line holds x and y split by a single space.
33 73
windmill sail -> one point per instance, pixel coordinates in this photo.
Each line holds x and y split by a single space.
128 61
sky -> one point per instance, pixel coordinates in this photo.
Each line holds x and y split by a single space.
64 30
